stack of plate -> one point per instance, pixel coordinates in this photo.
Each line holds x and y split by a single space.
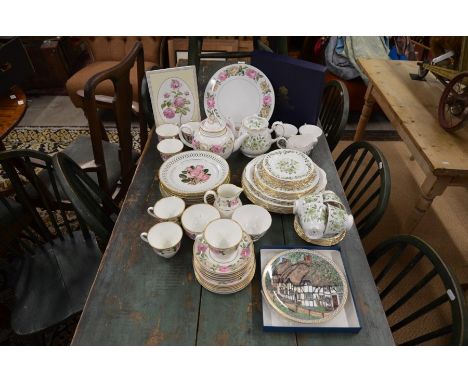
190 174
224 274
277 179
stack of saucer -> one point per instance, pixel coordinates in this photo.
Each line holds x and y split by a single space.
190 174
275 180
224 273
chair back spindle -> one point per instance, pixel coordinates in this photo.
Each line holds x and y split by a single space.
422 299
365 177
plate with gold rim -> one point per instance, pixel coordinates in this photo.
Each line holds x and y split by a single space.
237 91
193 172
304 286
290 166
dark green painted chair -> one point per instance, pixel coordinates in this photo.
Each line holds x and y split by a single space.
94 206
365 177
56 262
404 268
334 111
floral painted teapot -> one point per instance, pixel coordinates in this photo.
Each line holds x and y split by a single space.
213 135
259 138
322 215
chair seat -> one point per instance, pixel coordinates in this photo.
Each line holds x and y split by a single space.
81 151
7 218
78 80
54 282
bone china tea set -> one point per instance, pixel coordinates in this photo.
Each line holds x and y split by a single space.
199 199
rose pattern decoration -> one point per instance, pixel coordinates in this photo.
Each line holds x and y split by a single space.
195 175
176 102
202 252
240 70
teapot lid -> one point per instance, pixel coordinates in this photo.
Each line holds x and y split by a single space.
213 125
254 122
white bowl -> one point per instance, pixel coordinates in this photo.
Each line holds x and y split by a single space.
311 129
253 219
196 217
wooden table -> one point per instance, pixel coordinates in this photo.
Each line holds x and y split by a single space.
140 298
411 106
11 111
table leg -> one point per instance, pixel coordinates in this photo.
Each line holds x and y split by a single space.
432 186
366 112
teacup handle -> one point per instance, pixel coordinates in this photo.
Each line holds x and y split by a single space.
275 126
181 135
208 193
150 211
144 236
281 142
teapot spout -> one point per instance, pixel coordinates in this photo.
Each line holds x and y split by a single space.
238 142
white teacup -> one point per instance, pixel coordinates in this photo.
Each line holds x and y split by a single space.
164 238
253 219
169 147
284 129
223 236
313 130
167 209
303 143
196 217
167 131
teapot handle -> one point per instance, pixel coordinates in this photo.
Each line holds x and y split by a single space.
181 135
208 193
281 142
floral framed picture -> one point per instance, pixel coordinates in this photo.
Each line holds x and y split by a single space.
174 95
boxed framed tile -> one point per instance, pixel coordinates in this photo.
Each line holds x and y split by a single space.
305 289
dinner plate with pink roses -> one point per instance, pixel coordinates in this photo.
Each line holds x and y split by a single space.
193 172
237 91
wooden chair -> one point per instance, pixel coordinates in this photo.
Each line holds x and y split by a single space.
107 51
95 207
113 164
56 263
365 177
334 111
408 274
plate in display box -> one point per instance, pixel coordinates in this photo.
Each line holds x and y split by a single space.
298 294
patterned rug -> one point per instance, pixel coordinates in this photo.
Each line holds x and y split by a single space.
51 140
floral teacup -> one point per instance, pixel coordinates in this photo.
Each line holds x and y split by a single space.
223 236
196 218
166 131
167 209
338 221
169 147
284 129
164 238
